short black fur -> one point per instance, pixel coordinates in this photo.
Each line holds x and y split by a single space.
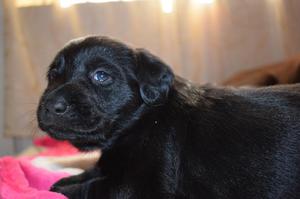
164 137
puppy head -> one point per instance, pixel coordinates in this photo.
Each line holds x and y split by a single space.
97 88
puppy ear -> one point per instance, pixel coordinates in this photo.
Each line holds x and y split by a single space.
154 76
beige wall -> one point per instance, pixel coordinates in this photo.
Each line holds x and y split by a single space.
6 144
204 43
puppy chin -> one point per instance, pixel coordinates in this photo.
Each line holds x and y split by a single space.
80 144
83 143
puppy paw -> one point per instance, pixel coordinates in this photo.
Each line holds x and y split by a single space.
66 181
70 191
55 188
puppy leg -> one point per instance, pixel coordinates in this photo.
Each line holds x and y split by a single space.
74 180
86 190
95 188
74 191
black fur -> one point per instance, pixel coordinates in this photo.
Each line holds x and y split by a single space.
163 137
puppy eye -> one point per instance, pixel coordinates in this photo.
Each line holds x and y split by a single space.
101 77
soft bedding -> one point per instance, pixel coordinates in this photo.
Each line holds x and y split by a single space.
19 179
31 176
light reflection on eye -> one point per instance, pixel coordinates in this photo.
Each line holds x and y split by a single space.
101 76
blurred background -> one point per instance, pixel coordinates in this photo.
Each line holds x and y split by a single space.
202 40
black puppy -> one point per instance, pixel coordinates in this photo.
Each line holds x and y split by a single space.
163 137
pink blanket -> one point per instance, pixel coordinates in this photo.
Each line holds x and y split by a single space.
19 179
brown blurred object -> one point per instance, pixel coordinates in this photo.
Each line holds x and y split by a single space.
286 72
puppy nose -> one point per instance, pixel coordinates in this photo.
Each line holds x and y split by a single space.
60 107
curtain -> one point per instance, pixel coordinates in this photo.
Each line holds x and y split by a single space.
201 42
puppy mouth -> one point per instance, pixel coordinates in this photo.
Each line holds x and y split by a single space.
64 130
84 140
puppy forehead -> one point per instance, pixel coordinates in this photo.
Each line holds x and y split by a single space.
82 58
93 55
80 62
